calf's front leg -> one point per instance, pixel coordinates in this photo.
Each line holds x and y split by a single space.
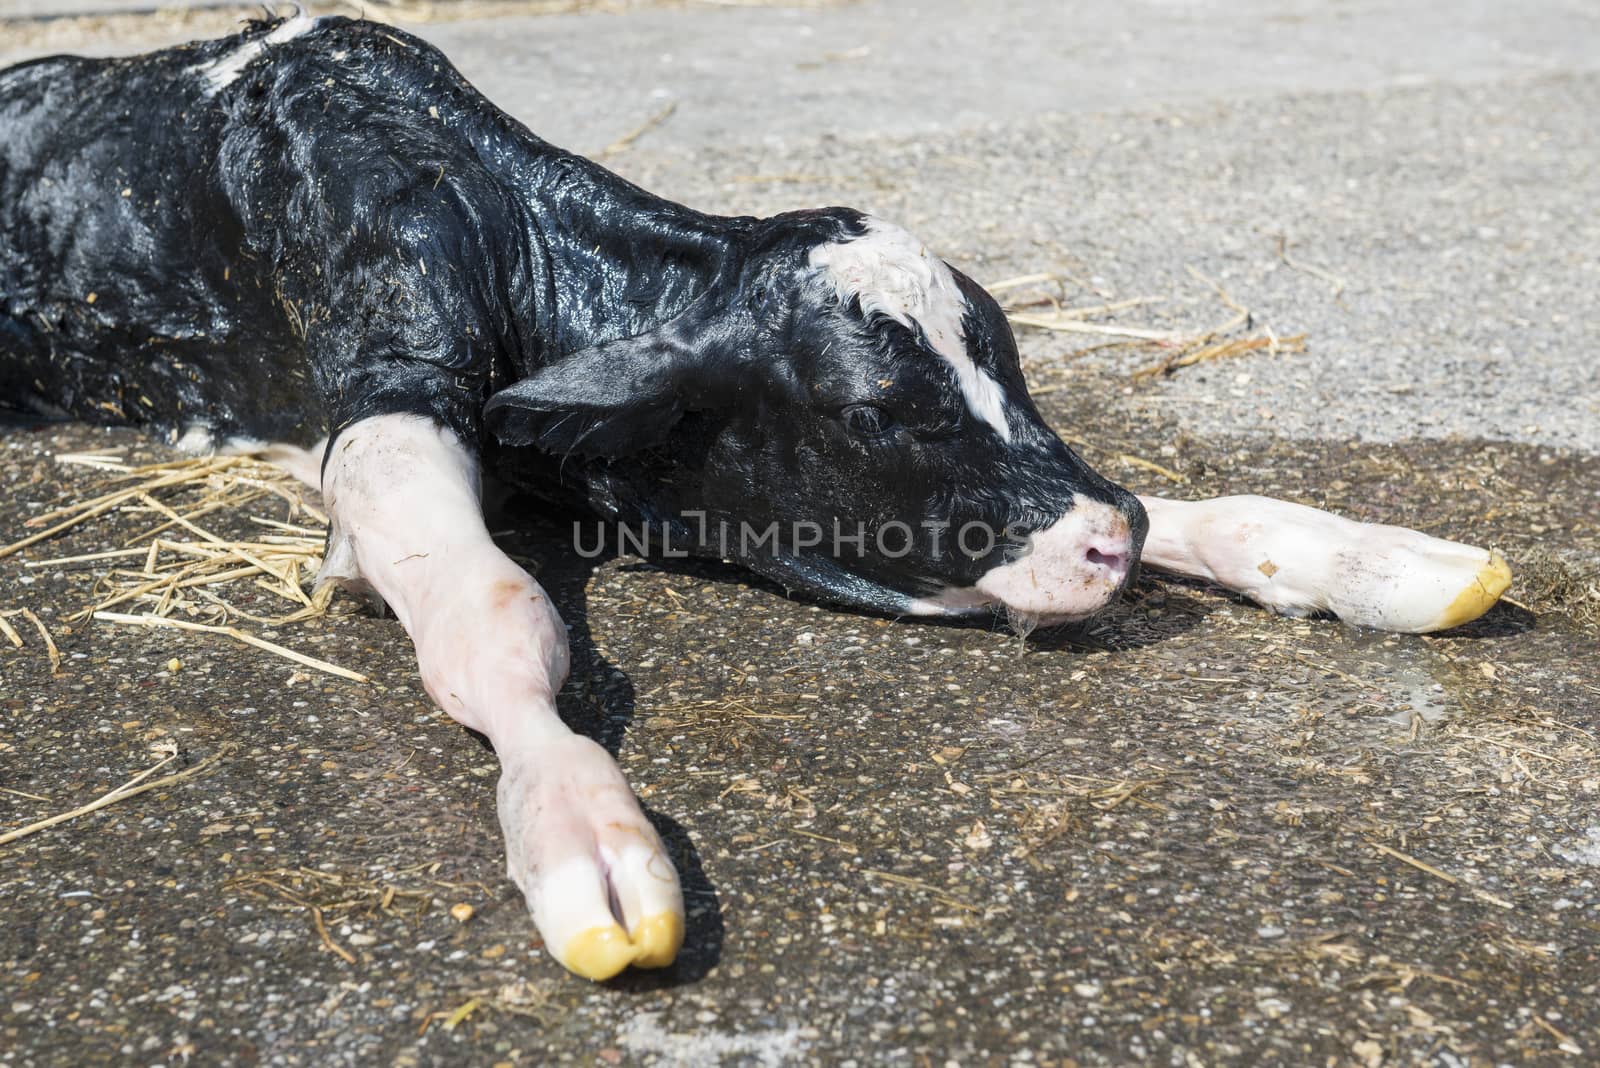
1298 560
403 498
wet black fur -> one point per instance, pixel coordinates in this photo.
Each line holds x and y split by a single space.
349 229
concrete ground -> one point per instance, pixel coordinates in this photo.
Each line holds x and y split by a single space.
1187 833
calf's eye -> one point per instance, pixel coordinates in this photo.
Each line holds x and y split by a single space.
867 420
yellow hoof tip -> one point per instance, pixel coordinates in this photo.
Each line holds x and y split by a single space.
1493 579
601 952
656 941
598 953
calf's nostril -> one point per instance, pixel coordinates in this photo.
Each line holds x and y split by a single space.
1113 562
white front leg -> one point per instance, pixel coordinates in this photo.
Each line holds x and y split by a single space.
402 495
1297 560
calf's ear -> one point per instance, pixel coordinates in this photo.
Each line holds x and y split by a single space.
619 396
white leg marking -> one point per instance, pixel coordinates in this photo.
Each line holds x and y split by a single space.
403 498
223 71
1297 560
890 272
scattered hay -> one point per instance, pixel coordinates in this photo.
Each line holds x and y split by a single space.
625 142
731 721
520 998
46 33
11 635
1549 582
1051 806
1311 269
1127 459
334 898
939 895
179 566
1342 950
132 788
237 634
1047 293
1438 873
1222 350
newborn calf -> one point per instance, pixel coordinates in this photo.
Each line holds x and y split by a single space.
316 241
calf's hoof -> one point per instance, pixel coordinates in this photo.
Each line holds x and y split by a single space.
598 882
1480 595
1416 584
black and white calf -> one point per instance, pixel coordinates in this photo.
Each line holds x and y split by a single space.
314 240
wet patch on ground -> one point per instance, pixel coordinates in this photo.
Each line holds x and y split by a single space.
1185 829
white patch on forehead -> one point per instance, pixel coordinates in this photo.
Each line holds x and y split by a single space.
223 71
890 271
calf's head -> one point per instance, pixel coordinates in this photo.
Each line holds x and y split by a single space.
844 413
